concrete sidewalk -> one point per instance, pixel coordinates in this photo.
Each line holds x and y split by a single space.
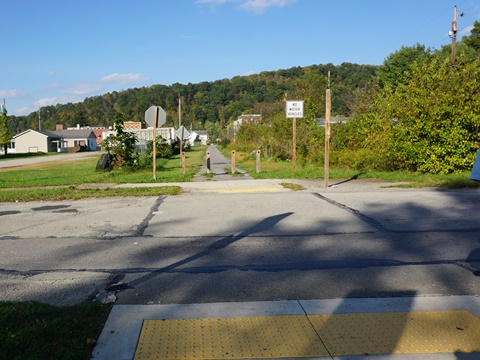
220 168
384 328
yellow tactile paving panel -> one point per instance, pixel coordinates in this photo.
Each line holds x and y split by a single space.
399 333
294 337
253 190
231 338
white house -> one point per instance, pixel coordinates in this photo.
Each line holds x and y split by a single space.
54 141
78 140
37 141
202 135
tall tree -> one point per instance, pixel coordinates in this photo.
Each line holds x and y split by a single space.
4 133
396 65
473 40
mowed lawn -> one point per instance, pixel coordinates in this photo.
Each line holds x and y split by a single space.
60 179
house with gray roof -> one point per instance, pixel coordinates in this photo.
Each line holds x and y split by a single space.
54 141
78 140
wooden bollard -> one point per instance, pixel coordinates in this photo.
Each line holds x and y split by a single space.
208 162
233 162
258 161
183 162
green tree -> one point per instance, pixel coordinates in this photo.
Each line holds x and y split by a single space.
396 65
438 123
473 40
121 145
4 132
214 130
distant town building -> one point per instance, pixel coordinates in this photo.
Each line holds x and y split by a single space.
134 125
245 118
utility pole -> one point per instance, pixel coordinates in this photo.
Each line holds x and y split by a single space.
454 38
179 111
328 104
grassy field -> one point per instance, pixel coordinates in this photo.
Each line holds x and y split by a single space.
271 169
59 180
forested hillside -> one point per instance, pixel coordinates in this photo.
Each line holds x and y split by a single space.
208 102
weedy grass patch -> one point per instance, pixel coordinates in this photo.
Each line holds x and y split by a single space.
279 169
32 330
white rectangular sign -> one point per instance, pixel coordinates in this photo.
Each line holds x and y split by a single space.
294 109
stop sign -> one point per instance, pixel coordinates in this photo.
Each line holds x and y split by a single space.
150 116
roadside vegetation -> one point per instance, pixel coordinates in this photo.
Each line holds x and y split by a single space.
62 180
282 169
31 330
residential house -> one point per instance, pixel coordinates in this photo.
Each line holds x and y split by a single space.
38 141
78 140
198 137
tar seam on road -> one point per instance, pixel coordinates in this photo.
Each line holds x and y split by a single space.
144 224
372 222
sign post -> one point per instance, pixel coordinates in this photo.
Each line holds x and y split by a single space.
294 110
155 116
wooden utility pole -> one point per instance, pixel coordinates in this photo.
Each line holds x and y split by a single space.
327 133
454 38
154 147
182 154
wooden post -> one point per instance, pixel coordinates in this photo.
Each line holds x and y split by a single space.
182 153
294 147
327 136
258 162
182 160
208 162
154 145
454 39
233 162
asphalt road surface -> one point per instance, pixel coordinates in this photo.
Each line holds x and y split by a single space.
352 240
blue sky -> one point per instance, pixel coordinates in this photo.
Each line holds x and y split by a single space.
60 51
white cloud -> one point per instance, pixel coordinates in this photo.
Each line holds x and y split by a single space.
56 100
12 93
255 6
259 6
22 111
466 31
47 101
123 78
83 89
214 2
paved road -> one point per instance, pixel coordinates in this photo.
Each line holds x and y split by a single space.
249 242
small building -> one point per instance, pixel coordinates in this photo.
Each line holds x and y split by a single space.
198 137
134 125
33 141
78 140
145 135
245 118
